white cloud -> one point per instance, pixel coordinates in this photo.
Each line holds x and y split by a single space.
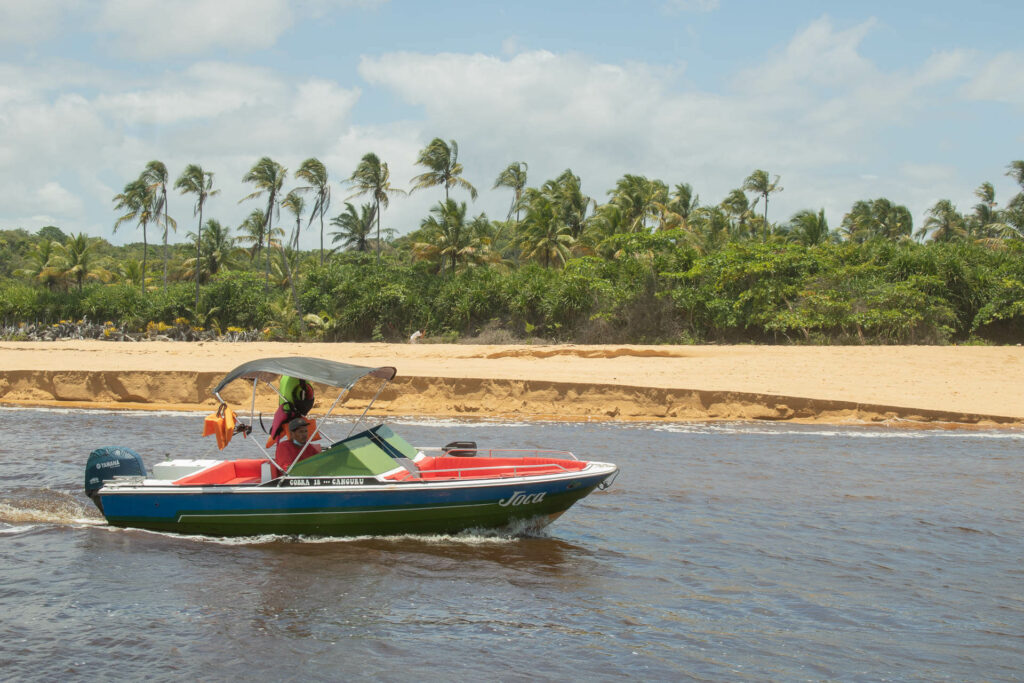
157 28
928 174
205 90
30 21
691 5
150 29
318 8
57 200
81 149
1000 80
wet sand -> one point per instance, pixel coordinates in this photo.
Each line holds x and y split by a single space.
899 384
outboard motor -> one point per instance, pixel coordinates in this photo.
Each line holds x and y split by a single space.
463 449
109 462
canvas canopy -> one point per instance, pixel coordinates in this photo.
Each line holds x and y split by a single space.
318 370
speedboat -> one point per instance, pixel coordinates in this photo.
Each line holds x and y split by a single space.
369 481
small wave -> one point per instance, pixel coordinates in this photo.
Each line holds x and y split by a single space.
46 506
105 411
469 423
972 530
471 537
11 514
866 431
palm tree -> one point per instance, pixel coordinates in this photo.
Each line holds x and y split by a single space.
217 251
607 220
218 245
877 218
76 261
514 178
758 182
809 228
130 271
372 177
253 232
484 238
267 176
194 180
295 204
681 205
450 239
986 223
354 227
571 204
155 176
1016 171
546 238
314 172
710 228
639 199
288 257
137 203
944 222
1014 212
442 161
40 266
740 211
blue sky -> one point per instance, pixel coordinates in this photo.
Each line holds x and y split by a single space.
915 101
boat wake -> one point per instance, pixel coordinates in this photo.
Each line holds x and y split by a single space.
471 537
44 506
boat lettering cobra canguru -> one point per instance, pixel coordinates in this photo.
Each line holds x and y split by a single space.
368 482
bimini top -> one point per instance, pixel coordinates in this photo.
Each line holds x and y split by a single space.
312 369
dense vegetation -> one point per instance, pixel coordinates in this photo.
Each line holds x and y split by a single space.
652 264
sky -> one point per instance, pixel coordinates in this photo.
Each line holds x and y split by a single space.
914 101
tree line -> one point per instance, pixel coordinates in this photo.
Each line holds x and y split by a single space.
559 265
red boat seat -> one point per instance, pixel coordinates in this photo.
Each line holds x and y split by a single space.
227 472
455 467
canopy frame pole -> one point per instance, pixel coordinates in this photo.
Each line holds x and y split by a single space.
252 416
252 420
356 423
252 406
323 420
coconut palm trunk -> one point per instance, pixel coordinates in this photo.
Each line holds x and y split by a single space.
199 253
377 210
166 228
145 251
266 231
291 279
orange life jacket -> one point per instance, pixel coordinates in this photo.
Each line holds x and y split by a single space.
214 422
221 424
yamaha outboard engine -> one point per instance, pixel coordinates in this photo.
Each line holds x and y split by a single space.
109 462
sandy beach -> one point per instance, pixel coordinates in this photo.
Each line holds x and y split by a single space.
898 385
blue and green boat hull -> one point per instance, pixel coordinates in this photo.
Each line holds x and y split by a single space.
381 509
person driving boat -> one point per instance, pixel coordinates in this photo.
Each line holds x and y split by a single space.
294 444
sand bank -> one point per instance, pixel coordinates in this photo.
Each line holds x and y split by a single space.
965 385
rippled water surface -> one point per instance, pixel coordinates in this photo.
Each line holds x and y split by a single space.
728 552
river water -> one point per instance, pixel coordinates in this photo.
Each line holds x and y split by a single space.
732 552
